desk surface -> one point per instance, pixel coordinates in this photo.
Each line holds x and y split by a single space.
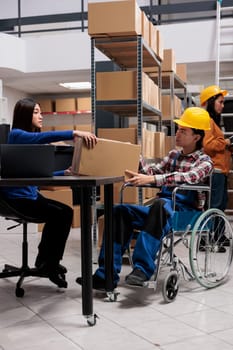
83 181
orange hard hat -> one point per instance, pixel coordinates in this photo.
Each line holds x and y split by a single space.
211 91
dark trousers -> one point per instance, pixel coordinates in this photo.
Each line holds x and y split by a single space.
219 195
57 218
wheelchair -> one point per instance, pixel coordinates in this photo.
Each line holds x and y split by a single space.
203 233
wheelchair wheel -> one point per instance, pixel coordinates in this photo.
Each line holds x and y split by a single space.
211 248
171 286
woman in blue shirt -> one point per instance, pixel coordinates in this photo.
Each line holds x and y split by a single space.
27 123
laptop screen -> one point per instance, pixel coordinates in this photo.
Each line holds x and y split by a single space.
27 160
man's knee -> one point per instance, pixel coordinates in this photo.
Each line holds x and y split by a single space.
157 219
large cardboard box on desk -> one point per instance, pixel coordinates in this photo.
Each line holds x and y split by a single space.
114 18
107 158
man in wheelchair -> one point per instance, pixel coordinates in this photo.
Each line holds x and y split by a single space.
188 165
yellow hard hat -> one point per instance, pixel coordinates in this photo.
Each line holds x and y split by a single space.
194 117
211 91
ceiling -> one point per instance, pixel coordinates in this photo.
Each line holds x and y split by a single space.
198 74
42 83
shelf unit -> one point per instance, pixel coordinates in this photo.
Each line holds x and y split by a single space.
174 86
129 53
67 117
227 123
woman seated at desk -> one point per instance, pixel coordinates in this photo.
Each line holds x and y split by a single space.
26 126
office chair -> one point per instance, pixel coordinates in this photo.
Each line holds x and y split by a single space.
24 271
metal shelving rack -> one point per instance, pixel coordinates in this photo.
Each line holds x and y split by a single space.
174 86
227 117
129 53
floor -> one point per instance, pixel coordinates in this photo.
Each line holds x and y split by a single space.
48 318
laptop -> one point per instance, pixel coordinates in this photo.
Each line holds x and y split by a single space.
27 160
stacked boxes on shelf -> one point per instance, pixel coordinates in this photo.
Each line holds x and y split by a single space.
122 85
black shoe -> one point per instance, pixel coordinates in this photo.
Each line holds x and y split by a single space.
58 280
97 283
136 278
52 273
60 268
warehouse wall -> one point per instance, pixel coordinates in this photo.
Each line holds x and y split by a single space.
193 42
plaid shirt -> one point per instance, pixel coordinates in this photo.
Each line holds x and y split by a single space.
177 168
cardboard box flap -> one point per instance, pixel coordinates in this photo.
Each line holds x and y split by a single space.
107 158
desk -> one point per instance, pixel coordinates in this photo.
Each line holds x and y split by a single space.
86 183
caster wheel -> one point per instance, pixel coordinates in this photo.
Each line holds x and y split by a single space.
111 297
19 292
171 287
91 320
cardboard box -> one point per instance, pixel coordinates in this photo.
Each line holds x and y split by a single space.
166 109
46 105
83 127
107 158
153 145
118 134
76 216
181 71
62 195
114 18
65 105
160 51
170 143
119 85
84 104
47 128
153 38
122 85
64 127
169 61
145 28
100 230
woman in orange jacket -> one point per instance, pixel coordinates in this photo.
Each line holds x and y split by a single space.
217 147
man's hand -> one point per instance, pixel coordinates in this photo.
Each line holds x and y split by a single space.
137 179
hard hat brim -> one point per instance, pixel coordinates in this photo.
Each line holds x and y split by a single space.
181 123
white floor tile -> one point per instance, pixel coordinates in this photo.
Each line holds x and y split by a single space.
47 317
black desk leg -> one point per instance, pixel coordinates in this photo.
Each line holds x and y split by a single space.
86 252
108 224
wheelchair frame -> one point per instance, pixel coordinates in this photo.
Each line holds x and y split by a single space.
208 266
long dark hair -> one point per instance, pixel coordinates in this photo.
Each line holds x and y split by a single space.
23 113
202 134
211 110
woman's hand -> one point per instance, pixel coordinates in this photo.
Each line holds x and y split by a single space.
137 179
89 138
68 171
